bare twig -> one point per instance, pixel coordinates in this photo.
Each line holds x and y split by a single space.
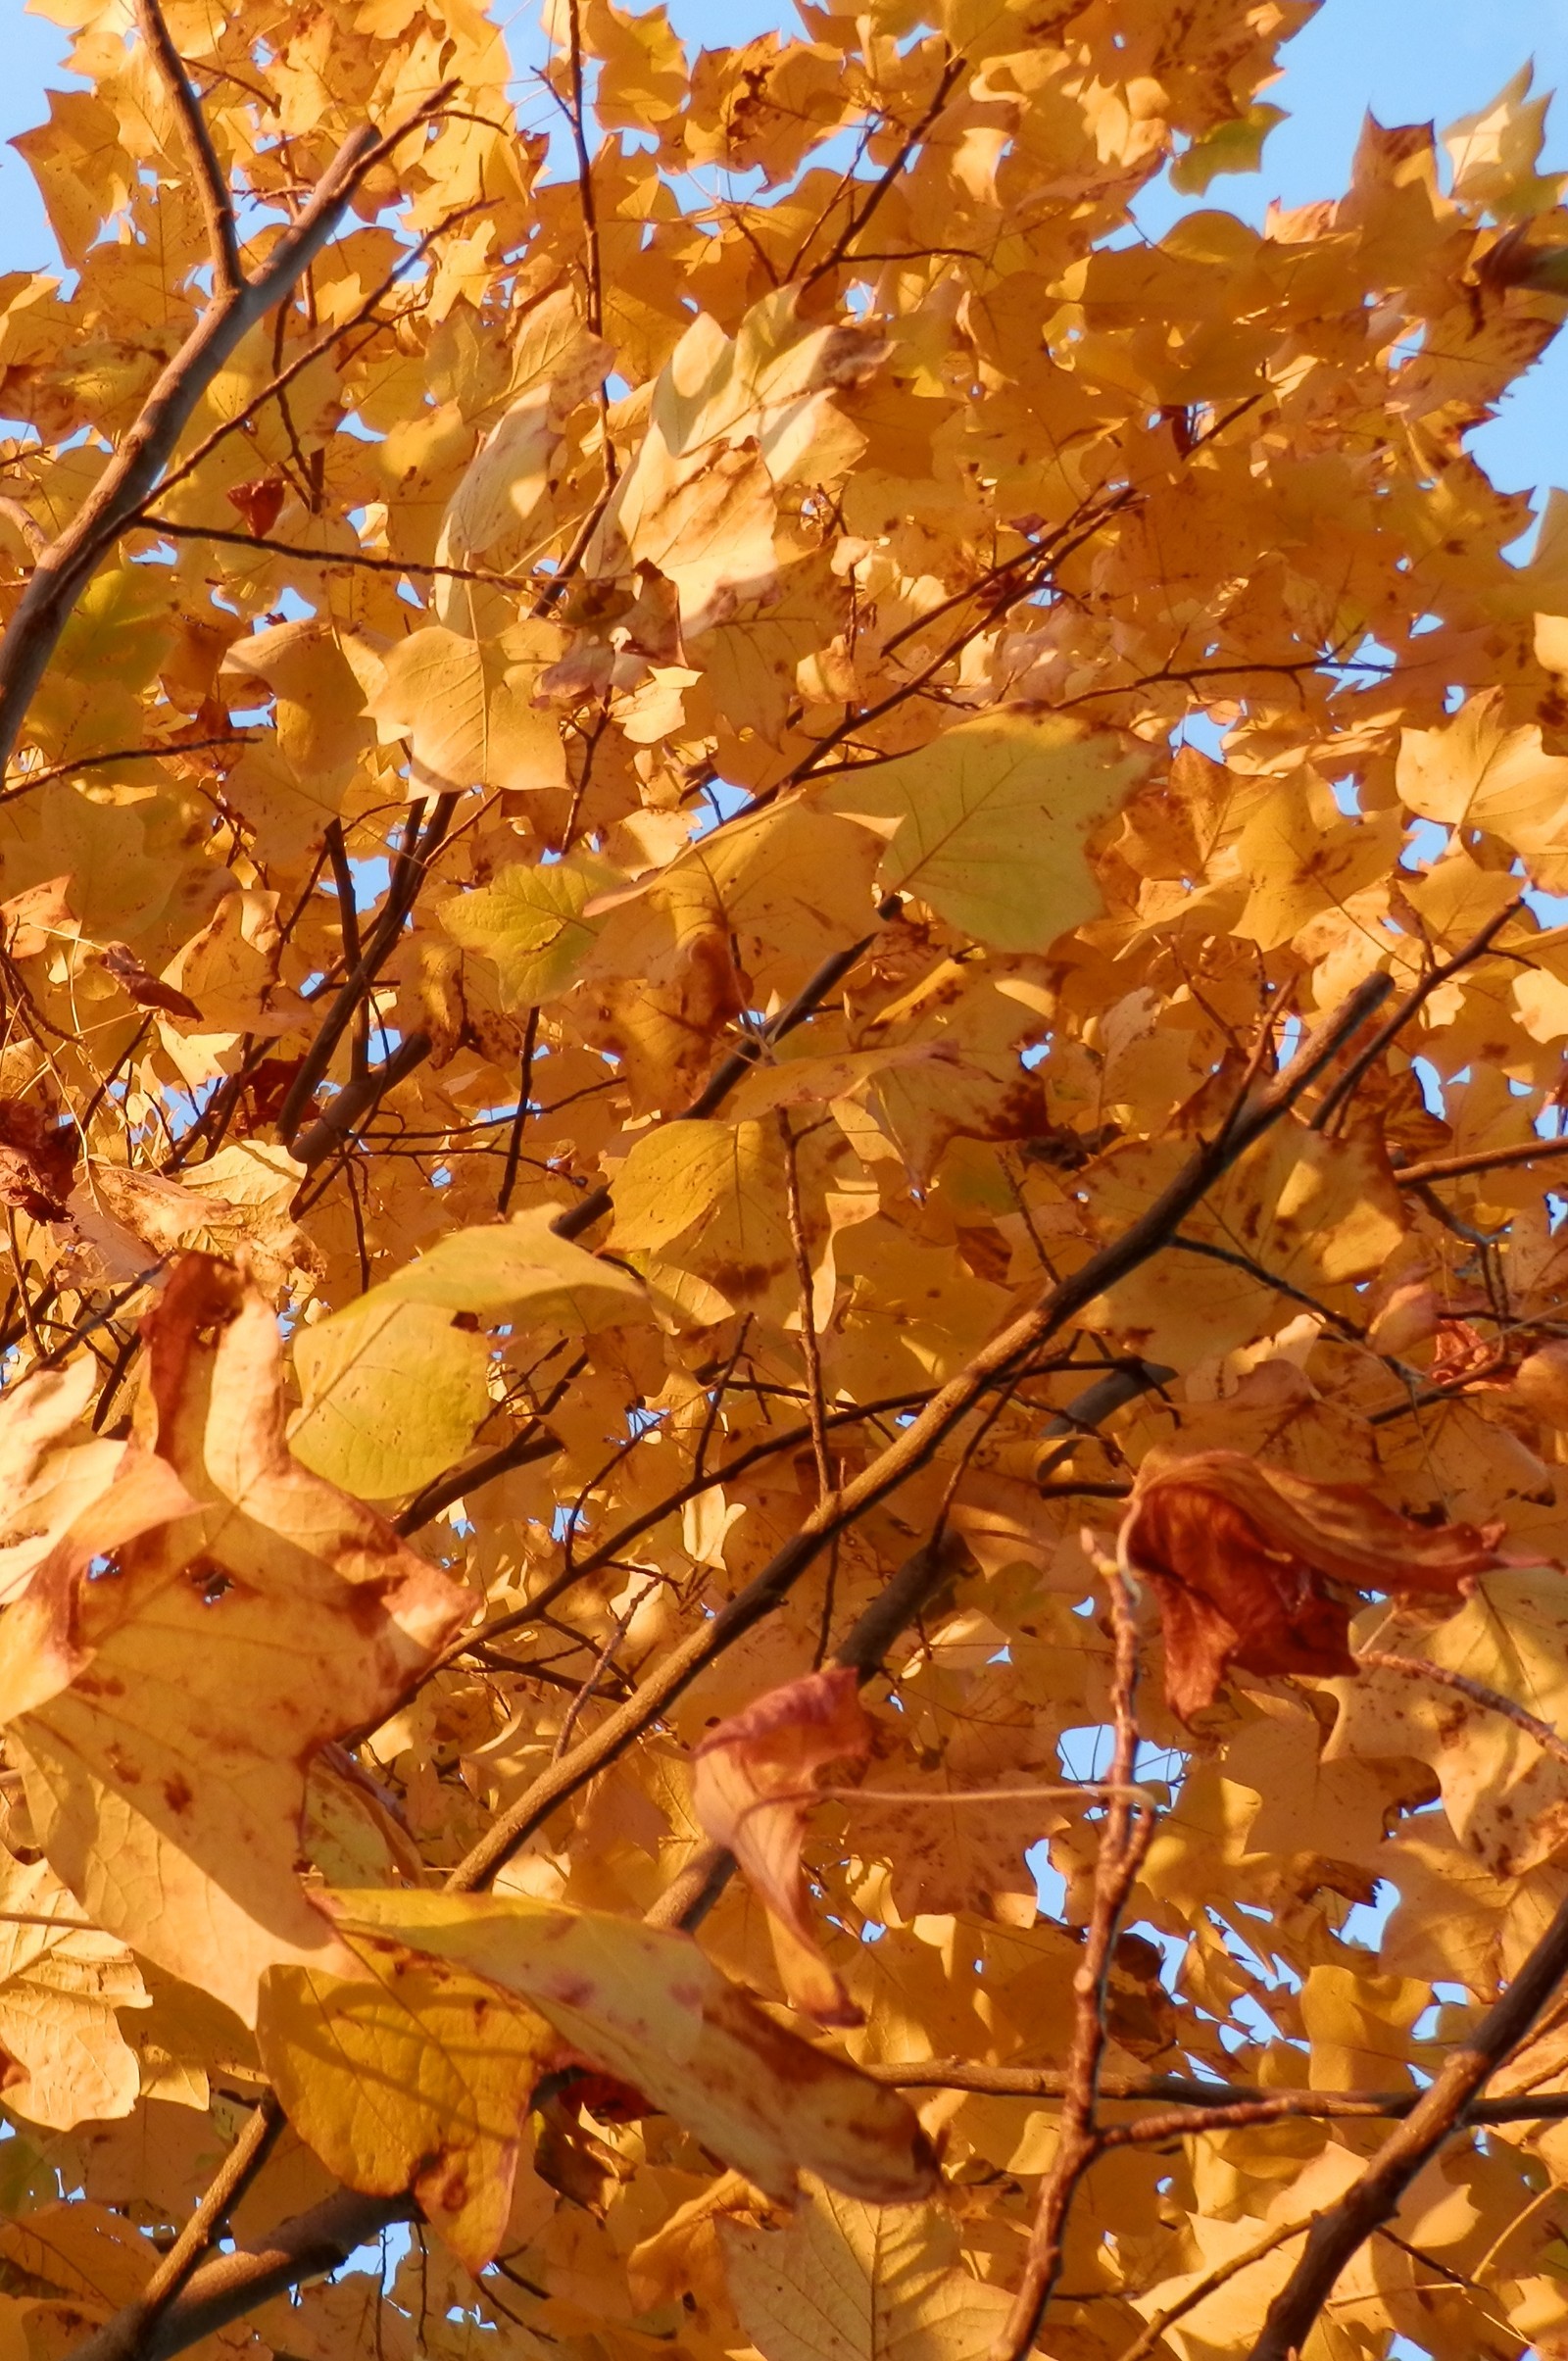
1188 2104
860 215
1123 1843
809 1348
1416 1668
532 1441
1346 1087
1149 2339
737 1062
1481 1159
509 1174
211 186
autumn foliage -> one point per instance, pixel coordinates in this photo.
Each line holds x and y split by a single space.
784 1338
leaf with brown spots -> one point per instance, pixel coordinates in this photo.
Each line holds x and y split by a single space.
642 2004
193 1640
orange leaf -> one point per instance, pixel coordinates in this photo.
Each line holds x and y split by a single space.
1239 1558
259 501
751 1781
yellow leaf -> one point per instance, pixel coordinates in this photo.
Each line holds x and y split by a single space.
59 1990
988 821
844 2281
167 1708
392 1394
1473 772
518 1271
468 714
709 1198
643 2004
418 2077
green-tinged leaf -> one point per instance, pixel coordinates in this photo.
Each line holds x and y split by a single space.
529 920
392 1393
1235 146
518 1271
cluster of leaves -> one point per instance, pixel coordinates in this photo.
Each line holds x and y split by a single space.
590 1302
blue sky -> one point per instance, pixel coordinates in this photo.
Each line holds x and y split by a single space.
1407 60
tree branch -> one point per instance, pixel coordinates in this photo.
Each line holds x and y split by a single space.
407 877
1123 1844
1441 2110
130 2330
359 1097
232 2285
212 185
1195 2101
1481 1159
916 1444
131 474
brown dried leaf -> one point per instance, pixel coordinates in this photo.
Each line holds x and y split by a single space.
1239 1558
750 1789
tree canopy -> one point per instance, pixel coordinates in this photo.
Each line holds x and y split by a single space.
784 1339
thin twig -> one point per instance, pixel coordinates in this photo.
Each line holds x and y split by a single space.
509 1174
737 1062
1123 1843
1481 1159
1399 1017
809 1348
1149 2339
1416 1668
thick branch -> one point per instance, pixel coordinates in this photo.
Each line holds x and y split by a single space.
1374 2197
359 1097
131 2329
232 2285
